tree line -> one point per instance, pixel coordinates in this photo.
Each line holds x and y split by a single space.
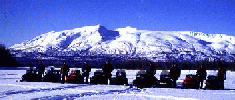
133 64
7 59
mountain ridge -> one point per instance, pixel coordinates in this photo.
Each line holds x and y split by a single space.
155 45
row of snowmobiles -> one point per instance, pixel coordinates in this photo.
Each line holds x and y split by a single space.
75 76
32 75
191 81
100 78
143 79
212 82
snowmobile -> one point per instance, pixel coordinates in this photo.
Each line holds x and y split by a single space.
31 76
75 77
191 81
120 78
52 75
212 82
99 78
165 79
145 80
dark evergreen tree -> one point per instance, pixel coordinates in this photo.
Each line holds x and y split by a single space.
6 58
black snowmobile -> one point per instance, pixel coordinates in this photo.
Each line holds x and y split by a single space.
31 76
52 75
213 83
145 80
165 79
99 78
120 78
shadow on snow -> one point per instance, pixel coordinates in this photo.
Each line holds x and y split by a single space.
8 93
74 96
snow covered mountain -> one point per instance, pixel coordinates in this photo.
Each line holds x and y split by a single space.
154 45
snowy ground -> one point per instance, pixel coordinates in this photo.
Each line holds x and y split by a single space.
11 89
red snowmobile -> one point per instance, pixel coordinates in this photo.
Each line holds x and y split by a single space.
191 81
75 77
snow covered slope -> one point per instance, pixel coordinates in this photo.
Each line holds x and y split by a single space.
155 45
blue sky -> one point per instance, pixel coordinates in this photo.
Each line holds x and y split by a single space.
22 20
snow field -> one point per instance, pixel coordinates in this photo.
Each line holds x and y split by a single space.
10 89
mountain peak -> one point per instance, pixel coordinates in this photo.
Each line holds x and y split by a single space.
127 29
